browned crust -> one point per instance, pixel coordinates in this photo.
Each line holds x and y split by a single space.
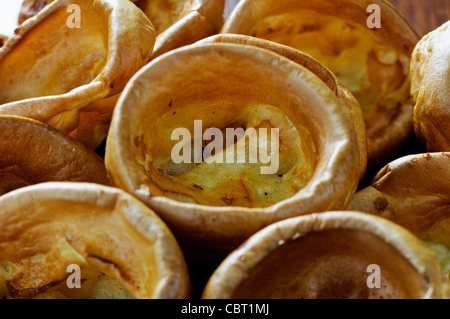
413 191
430 73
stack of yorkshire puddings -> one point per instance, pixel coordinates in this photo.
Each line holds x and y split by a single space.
243 143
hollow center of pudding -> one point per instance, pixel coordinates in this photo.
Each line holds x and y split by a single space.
263 157
373 71
333 264
53 59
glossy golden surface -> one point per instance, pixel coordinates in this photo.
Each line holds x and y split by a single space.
430 78
31 153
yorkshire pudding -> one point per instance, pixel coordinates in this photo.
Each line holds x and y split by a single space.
430 89
372 63
341 92
333 255
217 205
414 192
31 153
122 248
177 22
70 77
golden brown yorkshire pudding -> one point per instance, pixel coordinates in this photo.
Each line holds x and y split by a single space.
430 89
69 77
414 192
342 93
372 63
314 159
123 249
31 153
329 255
182 22
177 22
